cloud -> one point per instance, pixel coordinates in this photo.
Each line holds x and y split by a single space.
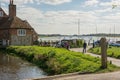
30 14
55 2
50 2
110 3
104 10
112 17
106 4
55 21
17 2
91 2
70 16
4 0
66 21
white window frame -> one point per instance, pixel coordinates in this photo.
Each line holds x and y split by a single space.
21 32
1 13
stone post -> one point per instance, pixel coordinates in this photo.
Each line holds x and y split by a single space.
103 44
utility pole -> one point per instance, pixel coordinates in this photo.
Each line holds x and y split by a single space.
96 28
110 33
78 27
114 31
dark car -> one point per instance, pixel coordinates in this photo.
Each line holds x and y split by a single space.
61 44
114 44
97 42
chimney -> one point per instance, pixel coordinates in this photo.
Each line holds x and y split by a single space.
12 9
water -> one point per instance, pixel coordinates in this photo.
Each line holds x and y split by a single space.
58 38
86 38
13 68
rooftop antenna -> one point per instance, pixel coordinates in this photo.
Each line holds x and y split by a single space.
11 1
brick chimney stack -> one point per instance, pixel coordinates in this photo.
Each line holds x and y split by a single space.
12 9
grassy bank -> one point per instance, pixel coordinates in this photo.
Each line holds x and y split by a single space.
111 51
59 61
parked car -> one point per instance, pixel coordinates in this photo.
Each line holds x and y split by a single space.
63 44
96 43
114 44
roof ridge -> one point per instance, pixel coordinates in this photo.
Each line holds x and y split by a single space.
15 22
4 14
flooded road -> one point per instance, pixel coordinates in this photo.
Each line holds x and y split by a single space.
13 68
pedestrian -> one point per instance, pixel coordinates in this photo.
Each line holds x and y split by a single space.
93 44
84 47
67 45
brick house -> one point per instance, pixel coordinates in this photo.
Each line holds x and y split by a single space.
13 30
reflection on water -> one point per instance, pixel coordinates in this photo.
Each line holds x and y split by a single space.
13 68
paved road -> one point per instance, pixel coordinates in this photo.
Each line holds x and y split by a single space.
102 76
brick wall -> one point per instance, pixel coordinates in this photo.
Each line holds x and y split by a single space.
21 40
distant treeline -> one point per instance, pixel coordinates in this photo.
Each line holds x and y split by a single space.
49 35
99 34
103 34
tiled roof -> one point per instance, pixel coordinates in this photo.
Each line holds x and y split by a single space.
3 20
14 22
4 14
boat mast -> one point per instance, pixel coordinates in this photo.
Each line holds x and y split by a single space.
78 27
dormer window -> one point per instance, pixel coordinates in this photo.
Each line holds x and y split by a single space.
1 13
21 32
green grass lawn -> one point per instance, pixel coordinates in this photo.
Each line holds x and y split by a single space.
111 51
58 60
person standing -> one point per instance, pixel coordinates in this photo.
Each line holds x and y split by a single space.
93 44
84 47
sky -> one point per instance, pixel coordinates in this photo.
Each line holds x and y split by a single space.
69 17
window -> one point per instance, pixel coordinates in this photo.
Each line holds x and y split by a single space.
21 32
1 13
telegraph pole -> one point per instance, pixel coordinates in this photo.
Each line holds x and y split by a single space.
78 27
96 28
114 31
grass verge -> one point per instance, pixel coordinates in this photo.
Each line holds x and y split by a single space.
111 51
59 61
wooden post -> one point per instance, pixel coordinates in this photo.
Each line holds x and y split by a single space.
103 44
